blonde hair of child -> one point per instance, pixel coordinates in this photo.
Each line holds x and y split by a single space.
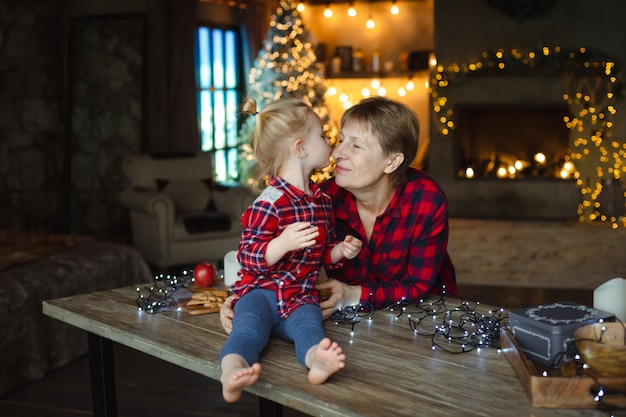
276 125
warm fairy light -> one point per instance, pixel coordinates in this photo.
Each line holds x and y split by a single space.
370 24
331 91
410 85
375 83
300 7
351 10
394 8
540 158
365 92
469 172
328 12
568 169
432 60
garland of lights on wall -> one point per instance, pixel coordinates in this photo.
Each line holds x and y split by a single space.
592 146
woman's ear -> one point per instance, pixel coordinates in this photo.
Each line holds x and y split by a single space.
393 162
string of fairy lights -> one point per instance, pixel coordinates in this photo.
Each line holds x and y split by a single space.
592 146
160 294
458 329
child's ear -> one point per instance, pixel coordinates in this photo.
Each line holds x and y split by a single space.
299 148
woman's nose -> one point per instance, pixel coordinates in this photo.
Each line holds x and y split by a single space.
337 151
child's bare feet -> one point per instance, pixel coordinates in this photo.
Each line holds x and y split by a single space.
236 375
324 360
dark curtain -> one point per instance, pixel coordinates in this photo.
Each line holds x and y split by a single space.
255 19
172 113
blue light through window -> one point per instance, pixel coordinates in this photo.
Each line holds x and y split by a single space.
218 64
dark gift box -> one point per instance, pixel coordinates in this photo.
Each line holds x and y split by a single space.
544 332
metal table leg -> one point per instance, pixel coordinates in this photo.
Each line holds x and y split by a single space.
102 370
268 408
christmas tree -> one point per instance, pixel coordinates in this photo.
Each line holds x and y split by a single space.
286 67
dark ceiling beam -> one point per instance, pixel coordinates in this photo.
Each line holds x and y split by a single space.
315 2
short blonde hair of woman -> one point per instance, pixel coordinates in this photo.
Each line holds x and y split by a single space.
395 125
278 123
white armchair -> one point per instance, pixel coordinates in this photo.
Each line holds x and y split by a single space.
179 214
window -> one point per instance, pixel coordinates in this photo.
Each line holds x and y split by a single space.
218 75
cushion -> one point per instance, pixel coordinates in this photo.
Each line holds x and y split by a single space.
209 221
188 196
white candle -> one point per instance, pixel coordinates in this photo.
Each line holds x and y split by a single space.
231 267
611 297
335 65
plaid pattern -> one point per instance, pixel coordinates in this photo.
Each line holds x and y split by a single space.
294 276
407 255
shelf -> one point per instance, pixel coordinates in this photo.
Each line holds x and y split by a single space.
369 74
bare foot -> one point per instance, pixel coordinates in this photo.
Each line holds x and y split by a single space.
325 359
236 375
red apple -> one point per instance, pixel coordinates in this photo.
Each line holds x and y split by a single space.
205 274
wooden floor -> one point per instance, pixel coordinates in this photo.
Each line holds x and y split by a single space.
149 387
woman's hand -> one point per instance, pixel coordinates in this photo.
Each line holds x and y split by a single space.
342 295
226 314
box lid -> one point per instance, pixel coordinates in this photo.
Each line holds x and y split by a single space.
560 316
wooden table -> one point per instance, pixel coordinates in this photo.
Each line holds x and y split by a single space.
390 371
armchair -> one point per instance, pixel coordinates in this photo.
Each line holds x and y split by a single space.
179 214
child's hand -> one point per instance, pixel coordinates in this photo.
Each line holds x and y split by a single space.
297 236
350 247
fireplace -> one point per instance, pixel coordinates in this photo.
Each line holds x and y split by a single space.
506 157
512 141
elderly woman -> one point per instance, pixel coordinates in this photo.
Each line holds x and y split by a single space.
399 212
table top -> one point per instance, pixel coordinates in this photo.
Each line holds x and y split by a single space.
390 370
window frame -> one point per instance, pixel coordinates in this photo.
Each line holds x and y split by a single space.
227 149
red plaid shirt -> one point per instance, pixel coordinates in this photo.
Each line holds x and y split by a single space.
294 276
407 256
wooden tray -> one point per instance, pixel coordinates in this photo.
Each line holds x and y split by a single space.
557 391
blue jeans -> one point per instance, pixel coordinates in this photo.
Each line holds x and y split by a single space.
256 319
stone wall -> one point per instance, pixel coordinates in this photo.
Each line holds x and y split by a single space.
71 107
105 117
32 148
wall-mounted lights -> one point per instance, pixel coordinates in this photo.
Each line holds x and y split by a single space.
394 8
328 12
351 10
